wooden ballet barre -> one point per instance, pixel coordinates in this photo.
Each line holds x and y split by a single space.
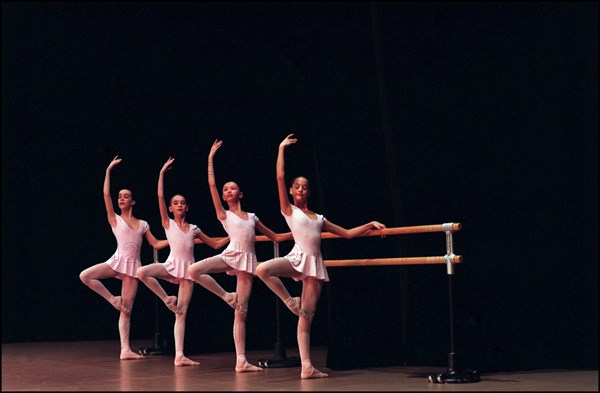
391 261
398 231
457 226
387 231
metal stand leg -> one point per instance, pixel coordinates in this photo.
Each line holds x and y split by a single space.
452 374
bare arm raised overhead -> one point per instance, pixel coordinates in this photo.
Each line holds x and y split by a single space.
284 203
212 184
110 211
162 206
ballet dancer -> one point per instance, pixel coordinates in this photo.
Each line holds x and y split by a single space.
304 262
181 236
239 258
129 232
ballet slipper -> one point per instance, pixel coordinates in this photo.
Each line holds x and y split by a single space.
117 302
247 368
233 302
124 308
171 303
294 305
313 374
185 362
129 355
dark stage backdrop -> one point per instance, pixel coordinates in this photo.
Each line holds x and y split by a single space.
407 113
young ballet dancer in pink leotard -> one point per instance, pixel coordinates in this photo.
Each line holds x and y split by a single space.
304 262
180 235
239 258
123 264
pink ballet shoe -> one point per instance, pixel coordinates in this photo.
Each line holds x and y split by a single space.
124 308
185 362
294 305
313 374
248 368
233 303
117 303
129 355
171 303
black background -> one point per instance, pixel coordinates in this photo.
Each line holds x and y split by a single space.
478 113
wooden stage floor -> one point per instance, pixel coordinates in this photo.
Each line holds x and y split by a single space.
95 366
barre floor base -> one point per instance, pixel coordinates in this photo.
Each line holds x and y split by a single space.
95 366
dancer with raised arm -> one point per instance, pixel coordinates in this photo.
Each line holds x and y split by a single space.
180 235
304 262
123 264
239 258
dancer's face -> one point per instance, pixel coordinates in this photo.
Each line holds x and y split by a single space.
300 189
231 192
178 205
125 199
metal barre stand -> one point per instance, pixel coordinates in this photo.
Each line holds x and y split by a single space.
280 358
452 374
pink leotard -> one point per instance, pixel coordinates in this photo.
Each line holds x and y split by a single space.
240 253
181 255
126 259
306 256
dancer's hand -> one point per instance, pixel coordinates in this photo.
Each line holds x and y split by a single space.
378 225
167 166
216 145
288 141
115 161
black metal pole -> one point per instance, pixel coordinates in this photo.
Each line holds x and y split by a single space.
453 374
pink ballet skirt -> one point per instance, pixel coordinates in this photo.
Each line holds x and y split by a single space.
309 265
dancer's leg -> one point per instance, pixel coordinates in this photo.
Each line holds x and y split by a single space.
244 288
199 272
270 271
149 274
128 292
186 288
311 292
92 276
